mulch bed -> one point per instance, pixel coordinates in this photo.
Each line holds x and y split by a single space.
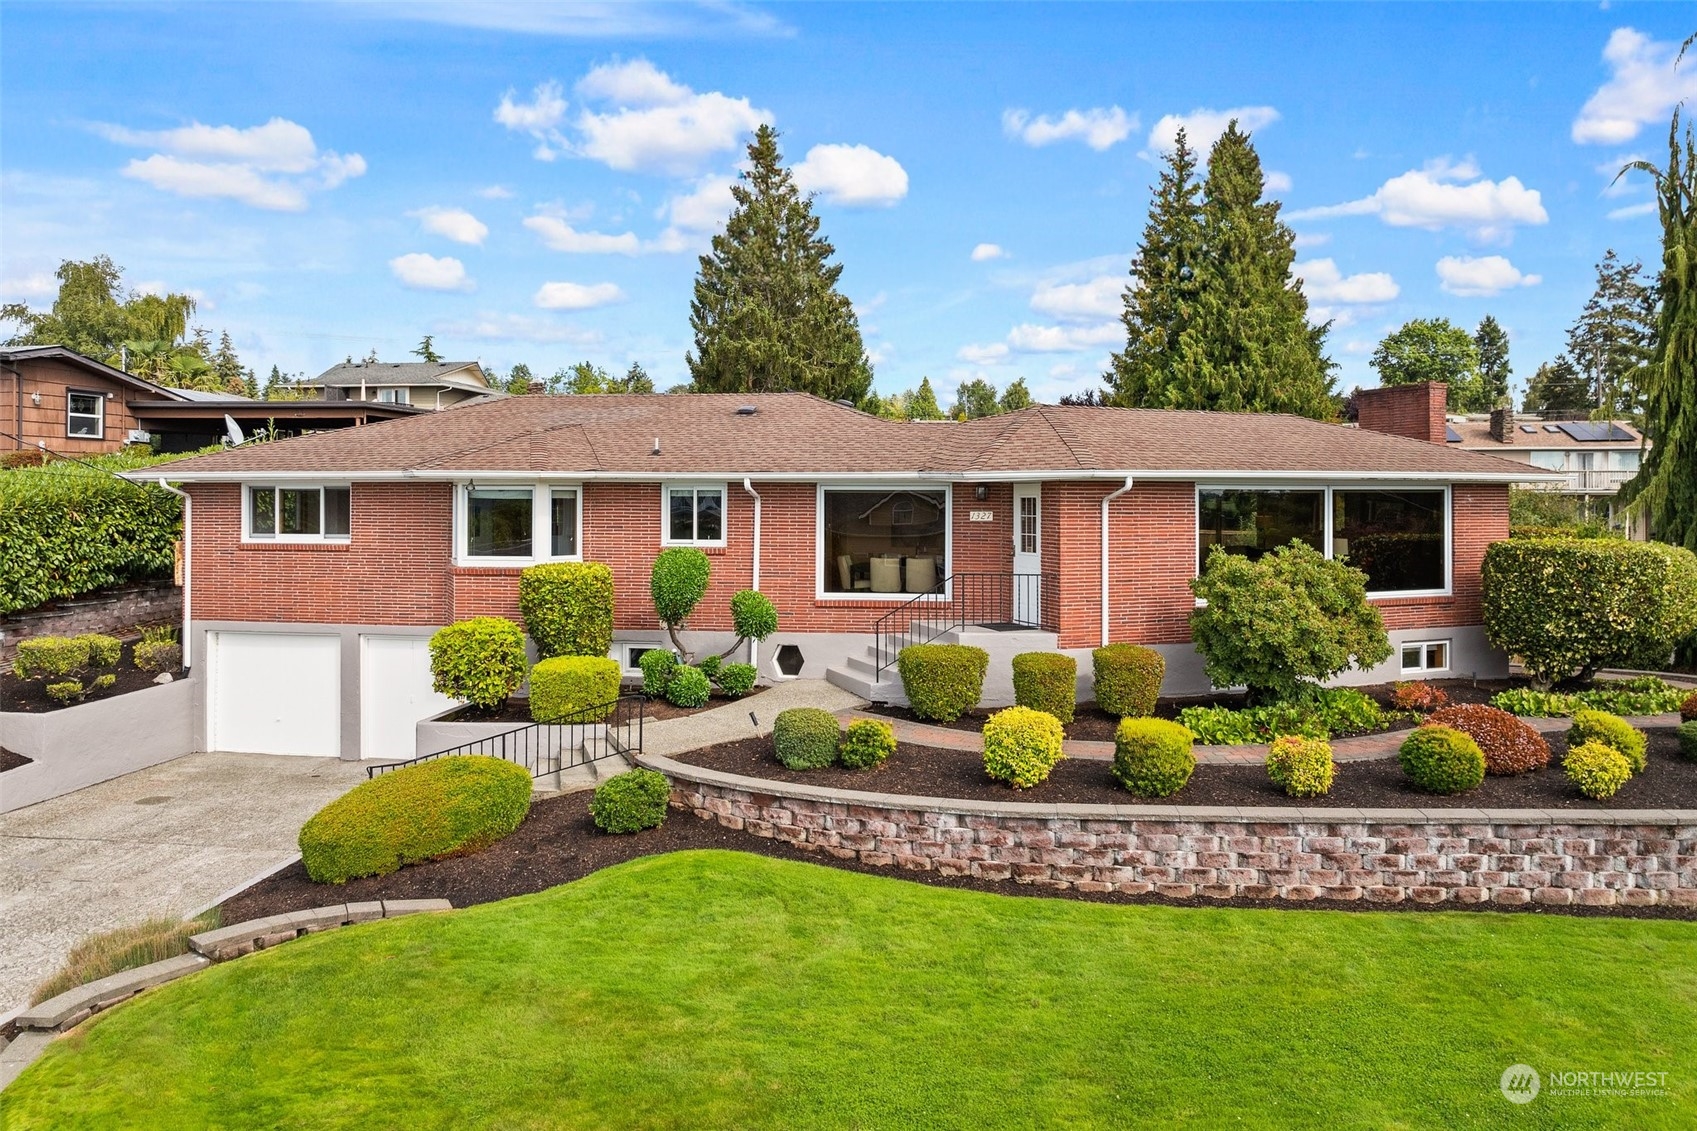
517 711
29 696
11 761
928 771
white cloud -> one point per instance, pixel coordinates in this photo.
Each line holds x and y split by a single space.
452 223
1486 275
653 124
694 215
540 118
988 251
557 234
577 296
427 273
41 284
1098 298
851 175
1278 182
1323 282
1202 127
1028 338
1312 239
1647 208
992 354
636 83
495 192
1431 198
1642 89
272 166
1098 127
495 326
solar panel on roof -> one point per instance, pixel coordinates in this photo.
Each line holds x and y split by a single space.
1595 432
1451 436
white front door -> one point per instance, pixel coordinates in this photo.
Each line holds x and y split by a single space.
395 692
1027 553
274 693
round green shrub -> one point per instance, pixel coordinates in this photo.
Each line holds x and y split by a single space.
1610 730
447 807
574 689
1021 746
480 660
1046 681
678 582
103 651
1686 735
688 687
1302 767
158 655
737 680
1441 759
657 666
568 608
65 691
50 656
942 681
1153 757
805 738
709 666
753 615
630 802
1128 679
1599 770
866 743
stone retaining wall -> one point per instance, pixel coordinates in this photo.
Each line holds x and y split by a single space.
116 612
1594 858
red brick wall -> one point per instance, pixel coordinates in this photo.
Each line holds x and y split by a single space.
1416 411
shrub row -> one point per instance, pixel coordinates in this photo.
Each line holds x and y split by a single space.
809 738
1509 745
1642 695
1321 713
944 681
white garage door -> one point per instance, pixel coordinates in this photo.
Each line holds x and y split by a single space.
274 693
395 692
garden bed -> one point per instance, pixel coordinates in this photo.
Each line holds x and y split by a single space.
29 696
11 761
517 710
926 771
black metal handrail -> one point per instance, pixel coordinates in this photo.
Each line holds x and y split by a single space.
601 731
1025 600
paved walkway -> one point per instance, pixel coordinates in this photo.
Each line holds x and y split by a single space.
732 721
162 841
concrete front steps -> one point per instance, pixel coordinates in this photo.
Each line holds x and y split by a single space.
859 674
600 762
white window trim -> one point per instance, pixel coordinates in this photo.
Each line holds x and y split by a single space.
1448 589
822 594
250 538
541 524
721 486
100 417
1449 656
626 647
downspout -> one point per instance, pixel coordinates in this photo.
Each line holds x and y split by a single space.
1106 499
188 561
747 485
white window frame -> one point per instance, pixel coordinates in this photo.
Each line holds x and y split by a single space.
1327 538
248 535
99 417
720 486
541 523
627 663
394 394
947 572
1423 645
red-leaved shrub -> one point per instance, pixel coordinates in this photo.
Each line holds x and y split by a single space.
1418 696
1688 709
1510 745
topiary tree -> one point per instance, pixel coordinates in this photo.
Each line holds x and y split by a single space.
480 660
1284 623
679 582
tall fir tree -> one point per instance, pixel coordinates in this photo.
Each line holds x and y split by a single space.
1612 339
227 366
921 404
1557 387
767 314
1491 343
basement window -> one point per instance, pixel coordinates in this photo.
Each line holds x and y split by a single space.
299 514
1425 656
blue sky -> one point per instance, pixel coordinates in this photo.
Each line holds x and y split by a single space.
533 182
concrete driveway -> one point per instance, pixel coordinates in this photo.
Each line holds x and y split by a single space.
162 841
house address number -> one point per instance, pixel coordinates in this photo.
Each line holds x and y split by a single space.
981 516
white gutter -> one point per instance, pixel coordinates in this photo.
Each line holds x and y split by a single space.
188 562
1106 499
747 485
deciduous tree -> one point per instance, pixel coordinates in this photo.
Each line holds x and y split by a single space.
1432 349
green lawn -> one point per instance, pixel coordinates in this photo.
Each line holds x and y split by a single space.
715 989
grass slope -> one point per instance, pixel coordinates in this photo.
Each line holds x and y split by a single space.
716 989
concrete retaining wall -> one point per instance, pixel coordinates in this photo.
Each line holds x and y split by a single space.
95 742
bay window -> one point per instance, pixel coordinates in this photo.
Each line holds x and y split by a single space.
882 540
517 524
299 514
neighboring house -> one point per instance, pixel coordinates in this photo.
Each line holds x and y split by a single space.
57 398
319 566
1593 457
428 385
195 419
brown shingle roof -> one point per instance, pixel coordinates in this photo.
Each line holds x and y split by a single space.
800 435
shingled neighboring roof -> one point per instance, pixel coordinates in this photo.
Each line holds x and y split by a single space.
352 374
11 355
801 436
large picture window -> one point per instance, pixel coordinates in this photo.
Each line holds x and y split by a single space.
504 524
498 522
1252 522
299 514
883 540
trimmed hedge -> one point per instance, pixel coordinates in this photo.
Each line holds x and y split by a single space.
688 687
737 680
657 666
1441 759
1153 757
1302 767
1597 769
1021 746
480 660
568 608
866 743
942 681
1509 745
1686 734
630 802
567 689
806 738
1610 730
50 656
449 807
1046 681
1128 679
1569 606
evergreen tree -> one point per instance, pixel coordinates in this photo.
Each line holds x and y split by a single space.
767 314
1490 341
519 378
1091 398
227 367
250 385
1557 387
636 380
1015 397
424 351
974 400
1432 349
1612 339
921 404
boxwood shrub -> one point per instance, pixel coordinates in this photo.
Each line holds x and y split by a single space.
1128 679
1046 681
66 691
630 802
1610 730
806 738
657 666
50 656
737 680
1686 734
1597 769
103 651
447 807
1302 767
1509 745
574 689
480 660
1021 746
1441 759
710 665
568 608
1153 757
688 687
866 743
942 681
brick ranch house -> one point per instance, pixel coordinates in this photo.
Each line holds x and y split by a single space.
319 566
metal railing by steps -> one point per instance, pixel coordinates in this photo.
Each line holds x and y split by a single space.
1024 600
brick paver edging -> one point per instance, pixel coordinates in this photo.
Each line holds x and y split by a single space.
1594 857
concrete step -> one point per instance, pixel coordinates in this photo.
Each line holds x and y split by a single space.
577 779
610 766
887 690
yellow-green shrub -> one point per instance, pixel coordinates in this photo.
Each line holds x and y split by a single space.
1128 679
1302 767
1441 759
805 738
574 689
866 743
1610 730
448 807
942 681
1046 681
103 651
50 656
1599 770
1021 746
568 608
480 660
630 802
1153 757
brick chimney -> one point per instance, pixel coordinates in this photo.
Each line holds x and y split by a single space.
1502 425
1416 411
535 388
